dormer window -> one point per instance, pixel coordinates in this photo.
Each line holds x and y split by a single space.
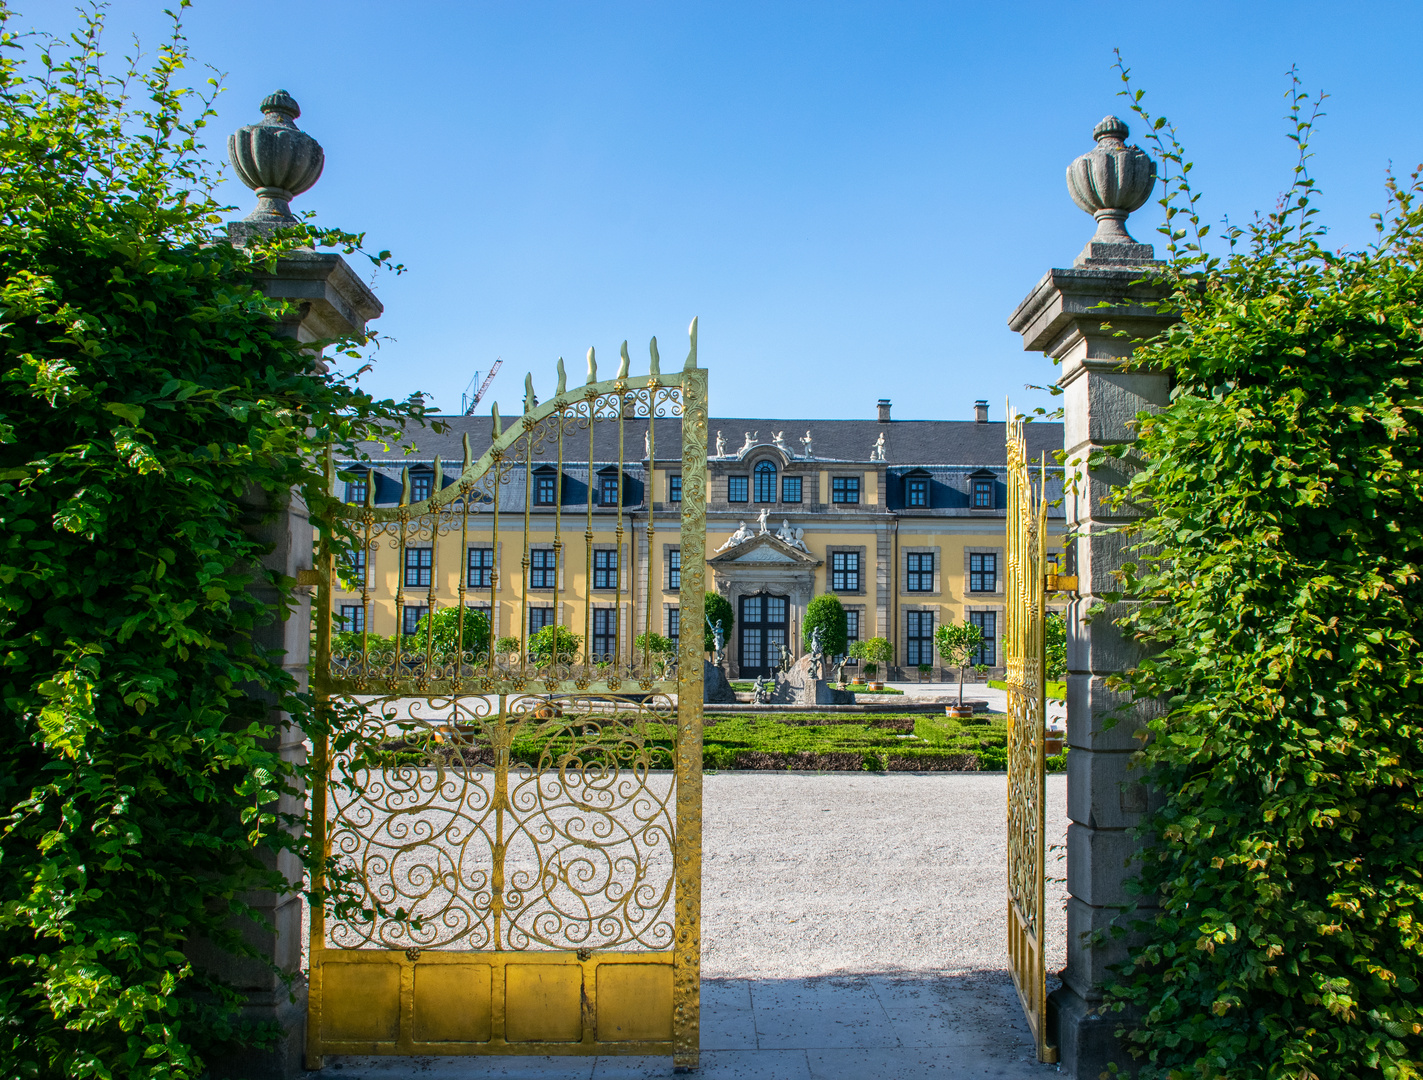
545 487
916 492
608 489
982 498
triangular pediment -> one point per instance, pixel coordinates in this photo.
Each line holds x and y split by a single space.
762 550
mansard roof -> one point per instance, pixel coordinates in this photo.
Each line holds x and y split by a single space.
906 442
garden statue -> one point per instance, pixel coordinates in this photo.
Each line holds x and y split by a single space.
647 442
750 442
739 536
877 454
765 513
806 442
817 653
761 690
779 438
720 445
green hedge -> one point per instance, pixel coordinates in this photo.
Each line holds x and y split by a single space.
148 411
1285 625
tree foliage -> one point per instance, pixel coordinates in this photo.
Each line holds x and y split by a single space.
828 613
1055 646
1280 574
148 413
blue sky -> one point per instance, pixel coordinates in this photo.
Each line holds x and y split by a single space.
852 197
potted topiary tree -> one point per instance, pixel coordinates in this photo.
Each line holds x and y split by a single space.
878 653
856 651
957 643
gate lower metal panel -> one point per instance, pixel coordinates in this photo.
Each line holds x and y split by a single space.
441 1003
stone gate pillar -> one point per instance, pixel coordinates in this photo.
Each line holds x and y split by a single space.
1063 317
329 301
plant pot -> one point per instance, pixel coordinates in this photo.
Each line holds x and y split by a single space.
876 686
958 712
858 680
1052 743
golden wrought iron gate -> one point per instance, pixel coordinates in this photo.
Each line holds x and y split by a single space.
1027 712
512 825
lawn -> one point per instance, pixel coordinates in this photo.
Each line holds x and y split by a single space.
804 742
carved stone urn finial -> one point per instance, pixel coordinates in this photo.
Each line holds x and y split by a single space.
1109 182
276 159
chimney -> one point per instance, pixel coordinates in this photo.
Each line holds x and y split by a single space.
884 410
980 411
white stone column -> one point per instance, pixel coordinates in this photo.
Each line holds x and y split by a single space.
1063 317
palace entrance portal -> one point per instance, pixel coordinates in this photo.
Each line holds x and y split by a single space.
764 620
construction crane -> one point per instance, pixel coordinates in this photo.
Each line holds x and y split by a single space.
467 403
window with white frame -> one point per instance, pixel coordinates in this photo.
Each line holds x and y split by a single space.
845 571
919 571
674 568
845 489
419 564
919 640
410 618
543 566
480 568
605 633
987 623
605 569
982 572
765 473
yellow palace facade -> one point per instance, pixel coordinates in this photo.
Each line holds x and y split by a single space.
903 520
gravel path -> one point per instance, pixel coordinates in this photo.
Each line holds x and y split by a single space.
812 874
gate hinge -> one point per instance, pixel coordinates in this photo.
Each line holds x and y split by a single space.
308 577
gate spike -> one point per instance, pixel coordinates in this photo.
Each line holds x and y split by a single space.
656 360
498 429
405 486
370 487
439 480
624 363
530 401
562 378
468 455
691 364
592 366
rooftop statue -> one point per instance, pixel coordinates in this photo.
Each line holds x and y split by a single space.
740 536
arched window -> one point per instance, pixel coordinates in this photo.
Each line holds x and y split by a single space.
766 482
